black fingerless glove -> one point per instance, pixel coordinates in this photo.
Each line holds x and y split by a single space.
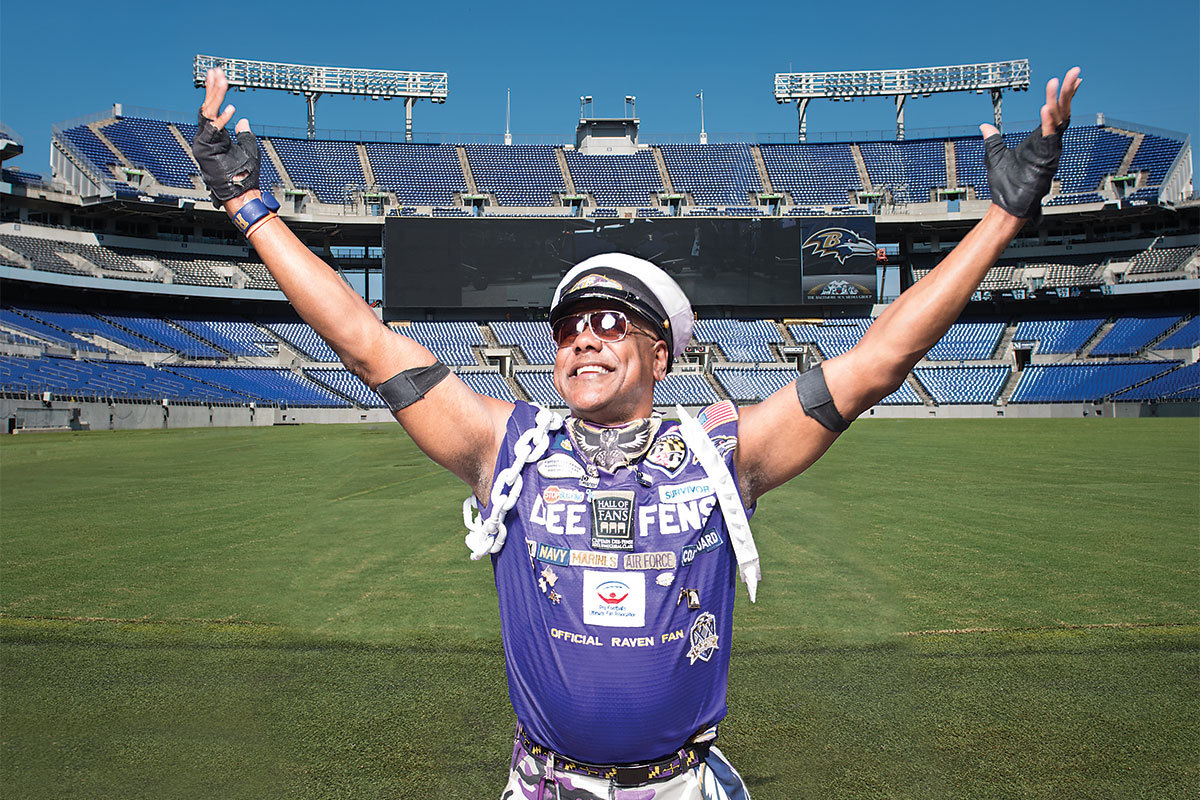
1021 177
229 168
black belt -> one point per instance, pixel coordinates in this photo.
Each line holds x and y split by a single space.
623 774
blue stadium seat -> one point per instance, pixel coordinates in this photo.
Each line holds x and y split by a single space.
451 342
519 175
1057 335
1081 383
418 174
911 169
344 382
750 384
235 336
301 336
491 384
832 336
1132 333
962 385
331 170
1187 336
1178 384
687 389
539 385
1155 156
532 337
265 385
816 174
150 145
616 180
714 174
747 341
967 341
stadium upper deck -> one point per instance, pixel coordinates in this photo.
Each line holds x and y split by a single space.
149 160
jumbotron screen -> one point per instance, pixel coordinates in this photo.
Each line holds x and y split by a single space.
731 261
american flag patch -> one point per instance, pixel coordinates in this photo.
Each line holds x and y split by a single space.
717 414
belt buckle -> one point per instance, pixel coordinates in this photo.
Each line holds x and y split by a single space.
632 776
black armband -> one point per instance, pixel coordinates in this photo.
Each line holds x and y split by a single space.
401 391
816 400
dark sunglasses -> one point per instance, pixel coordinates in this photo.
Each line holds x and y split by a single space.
607 326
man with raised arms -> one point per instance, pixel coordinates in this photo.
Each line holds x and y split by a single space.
616 534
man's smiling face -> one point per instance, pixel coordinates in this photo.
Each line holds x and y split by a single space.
610 382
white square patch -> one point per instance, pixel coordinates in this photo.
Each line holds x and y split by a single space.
614 599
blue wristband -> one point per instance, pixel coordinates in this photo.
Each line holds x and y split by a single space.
255 211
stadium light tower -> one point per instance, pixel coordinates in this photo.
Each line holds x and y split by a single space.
312 82
994 77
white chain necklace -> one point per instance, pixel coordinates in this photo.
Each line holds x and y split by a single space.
486 536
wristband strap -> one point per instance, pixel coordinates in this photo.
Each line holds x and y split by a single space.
255 211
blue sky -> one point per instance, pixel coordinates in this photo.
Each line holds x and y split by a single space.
64 59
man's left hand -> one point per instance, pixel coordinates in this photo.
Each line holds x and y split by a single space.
1021 177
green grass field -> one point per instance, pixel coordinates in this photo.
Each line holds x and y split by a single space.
950 609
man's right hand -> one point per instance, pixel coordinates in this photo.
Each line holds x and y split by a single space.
229 168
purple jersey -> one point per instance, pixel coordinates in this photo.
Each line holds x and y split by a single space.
616 599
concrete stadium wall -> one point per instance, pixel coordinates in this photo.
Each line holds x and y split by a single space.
1036 411
103 416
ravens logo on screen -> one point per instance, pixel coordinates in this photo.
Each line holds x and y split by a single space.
839 243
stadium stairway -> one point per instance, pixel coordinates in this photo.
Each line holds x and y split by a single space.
485 330
82 264
269 148
568 181
516 389
715 385
365 163
761 166
663 173
468 173
15 257
861 166
1010 386
187 148
1005 344
98 129
1097 337
1131 153
926 397
951 166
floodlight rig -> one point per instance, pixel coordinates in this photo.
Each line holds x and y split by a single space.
312 82
994 77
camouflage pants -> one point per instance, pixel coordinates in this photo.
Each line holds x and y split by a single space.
714 779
